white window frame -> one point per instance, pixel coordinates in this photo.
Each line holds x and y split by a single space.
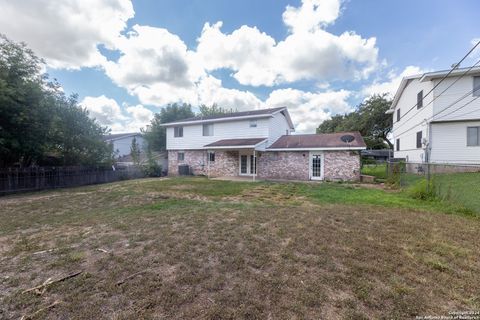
177 130
252 123
210 153
310 162
478 136
178 156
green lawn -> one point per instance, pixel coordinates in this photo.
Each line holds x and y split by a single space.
379 171
192 248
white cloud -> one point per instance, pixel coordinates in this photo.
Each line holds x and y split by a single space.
391 84
311 15
150 56
309 109
309 52
210 91
66 33
108 113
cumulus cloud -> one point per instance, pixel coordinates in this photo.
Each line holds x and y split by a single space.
391 84
150 56
308 52
311 15
66 33
109 113
309 109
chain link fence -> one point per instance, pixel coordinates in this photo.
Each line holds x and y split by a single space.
456 183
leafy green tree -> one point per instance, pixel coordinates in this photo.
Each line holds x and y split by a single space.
155 134
369 119
212 110
37 120
135 151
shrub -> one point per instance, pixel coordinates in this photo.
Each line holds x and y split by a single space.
423 190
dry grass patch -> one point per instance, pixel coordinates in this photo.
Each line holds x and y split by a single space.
178 249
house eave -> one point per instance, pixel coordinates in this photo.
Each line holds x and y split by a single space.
317 149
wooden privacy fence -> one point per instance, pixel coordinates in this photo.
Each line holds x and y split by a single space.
39 178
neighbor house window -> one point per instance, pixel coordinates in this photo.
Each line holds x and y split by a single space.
208 129
211 156
420 99
398 144
181 156
398 115
476 86
178 132
419 139
253 123
473 136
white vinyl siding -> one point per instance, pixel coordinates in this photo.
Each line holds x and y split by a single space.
278 127
193 138
467 108
412 120
476 86
449 143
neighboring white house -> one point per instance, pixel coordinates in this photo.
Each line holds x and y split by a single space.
122 142
259 143
447 121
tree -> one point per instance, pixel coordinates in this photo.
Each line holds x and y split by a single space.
135 151
155 134
212 110
37 120
370 119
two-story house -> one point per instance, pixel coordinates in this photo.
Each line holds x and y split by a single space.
446 122
260 143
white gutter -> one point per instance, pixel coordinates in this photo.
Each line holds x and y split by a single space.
316 149
216 120
250 146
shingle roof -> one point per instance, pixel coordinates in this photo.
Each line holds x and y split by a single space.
236 142
230 115
326 140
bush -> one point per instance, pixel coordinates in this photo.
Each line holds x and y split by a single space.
422 190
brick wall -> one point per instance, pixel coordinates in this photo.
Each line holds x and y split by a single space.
283 165
292 165
225 164
196 159
342 165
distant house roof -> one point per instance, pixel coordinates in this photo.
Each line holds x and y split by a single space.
378 153
235 143
117 136
327 141
253 114
427 77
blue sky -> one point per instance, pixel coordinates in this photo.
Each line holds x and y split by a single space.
126 60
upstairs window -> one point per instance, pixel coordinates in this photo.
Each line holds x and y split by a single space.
420 99
398 115
208 129
473 136
398 144
419 139
178 132
253 123
476 86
